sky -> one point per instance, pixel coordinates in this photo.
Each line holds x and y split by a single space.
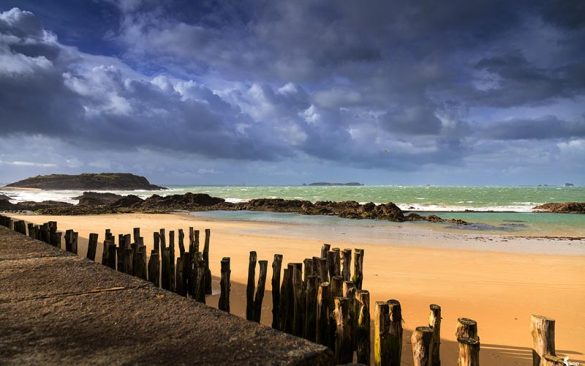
457 92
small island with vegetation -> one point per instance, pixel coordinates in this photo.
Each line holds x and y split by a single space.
87 181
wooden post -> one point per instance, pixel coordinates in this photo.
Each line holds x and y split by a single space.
136 234
346 264
308 264
154 268
140 262
200 284
299 300
179 288
166 267
362 334
156 240
343 346
290 318
466 328
358 268
68 239
284 302
263 264
111 258
276 265
181 242
435 324
250 287
323 314
172 270
224 297
382 347
337 286
395 330
422 341
325 250
92 246
311 308
196 241
206 259
469 351
74 242
349 291
543 338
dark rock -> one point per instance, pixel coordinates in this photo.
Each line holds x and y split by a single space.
562 207
130 201
101 181
97 198
186 201
4 197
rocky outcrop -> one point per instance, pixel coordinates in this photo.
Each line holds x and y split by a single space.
101 203
101 181
562 207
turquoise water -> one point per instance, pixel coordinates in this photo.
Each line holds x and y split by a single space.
426 198
513 205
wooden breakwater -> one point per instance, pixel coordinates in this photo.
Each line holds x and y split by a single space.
320 299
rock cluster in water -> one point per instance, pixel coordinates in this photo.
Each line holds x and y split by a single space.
101 203
562 207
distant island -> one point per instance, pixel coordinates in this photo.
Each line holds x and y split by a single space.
88 181
352 184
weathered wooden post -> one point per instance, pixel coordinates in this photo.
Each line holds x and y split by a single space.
285 302
140 262
343 346
325 250
395 330
299 300
308 265
263 264
181 242
136 234
466 328
154 268
323 314
206 259
224 297
358 268
346 264
200 284
337 286
31 230
179 286
172 270
362 334
92 246
543 338
349 291
435 324
74 242
320 269
156 241
195 241
111 257
166 267
250 287
382 348
311 308
421 340
550 360
68 236
468 351
276 265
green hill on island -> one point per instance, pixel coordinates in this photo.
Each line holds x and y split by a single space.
87 181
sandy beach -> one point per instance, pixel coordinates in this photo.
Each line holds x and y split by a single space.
497 280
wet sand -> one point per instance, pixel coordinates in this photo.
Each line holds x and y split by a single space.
497 280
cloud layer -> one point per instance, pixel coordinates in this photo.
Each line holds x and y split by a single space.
392 87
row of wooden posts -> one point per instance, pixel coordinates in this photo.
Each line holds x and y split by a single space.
325 303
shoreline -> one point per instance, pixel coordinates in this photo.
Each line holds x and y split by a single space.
417 266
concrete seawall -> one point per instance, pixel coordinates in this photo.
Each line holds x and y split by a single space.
57 308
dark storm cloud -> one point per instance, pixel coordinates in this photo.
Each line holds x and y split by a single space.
534 129
390 84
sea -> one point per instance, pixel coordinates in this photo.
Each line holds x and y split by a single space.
499 209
